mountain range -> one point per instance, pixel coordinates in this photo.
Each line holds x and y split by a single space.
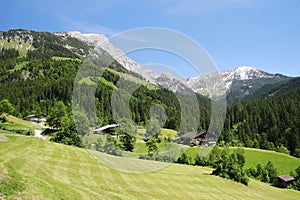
242 83
38 70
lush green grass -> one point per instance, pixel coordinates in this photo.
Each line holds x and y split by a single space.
107 83
87 81
21 46
165 133
15 123
63 58
168 133
20 66
283 162
134 79
140 147
6 132
48 170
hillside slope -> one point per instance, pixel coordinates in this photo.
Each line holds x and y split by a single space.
46 170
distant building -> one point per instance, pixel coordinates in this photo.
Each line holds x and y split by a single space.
108 129
284 181
196 139
35 118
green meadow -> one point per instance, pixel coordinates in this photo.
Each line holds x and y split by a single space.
31 168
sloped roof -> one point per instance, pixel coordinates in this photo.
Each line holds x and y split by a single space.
193 135
286 178
106 127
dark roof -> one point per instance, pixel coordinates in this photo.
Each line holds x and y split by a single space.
193 135
286 178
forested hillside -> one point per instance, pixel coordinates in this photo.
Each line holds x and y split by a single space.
44 74
272 123
38 70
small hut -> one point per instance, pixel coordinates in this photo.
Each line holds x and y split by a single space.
284 181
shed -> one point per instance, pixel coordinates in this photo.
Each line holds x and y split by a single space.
284 180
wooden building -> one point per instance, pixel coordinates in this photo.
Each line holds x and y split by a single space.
199 138
284 181
35 118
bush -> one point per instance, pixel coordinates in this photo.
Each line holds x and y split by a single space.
227 163
3 119
68 138
296 175
283 149
23 132
111 146
230 165
267 174
297 152
183 159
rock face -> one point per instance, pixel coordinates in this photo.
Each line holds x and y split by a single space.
241 81
229 77
100 40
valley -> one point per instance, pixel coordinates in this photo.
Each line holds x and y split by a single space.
157 120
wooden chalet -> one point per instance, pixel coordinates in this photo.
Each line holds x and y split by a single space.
284 181
196 139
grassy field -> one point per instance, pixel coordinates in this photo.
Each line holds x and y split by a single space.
35 169
134 79
21 46
64 58
283 162
15 123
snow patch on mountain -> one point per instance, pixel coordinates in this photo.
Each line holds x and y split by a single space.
217 81
198 84
246 73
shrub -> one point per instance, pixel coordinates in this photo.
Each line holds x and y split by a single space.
183 159
267 174
3 119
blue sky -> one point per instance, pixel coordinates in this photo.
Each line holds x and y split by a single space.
260 33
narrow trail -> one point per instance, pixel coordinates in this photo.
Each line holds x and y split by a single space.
38 133
3 138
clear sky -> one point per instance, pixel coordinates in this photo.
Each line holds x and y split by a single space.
259 33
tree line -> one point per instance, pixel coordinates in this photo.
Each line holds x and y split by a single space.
35 84
271 123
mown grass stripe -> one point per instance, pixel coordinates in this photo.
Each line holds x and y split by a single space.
56 171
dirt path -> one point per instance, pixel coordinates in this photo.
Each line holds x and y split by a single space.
38 134
3 138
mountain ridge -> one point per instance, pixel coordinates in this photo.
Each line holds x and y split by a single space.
197 84
240 83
